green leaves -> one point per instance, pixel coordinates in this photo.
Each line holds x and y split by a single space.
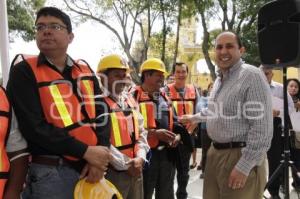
21 16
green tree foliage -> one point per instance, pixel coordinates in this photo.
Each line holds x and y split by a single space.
239 16
125 19
21 16
132 22
156 48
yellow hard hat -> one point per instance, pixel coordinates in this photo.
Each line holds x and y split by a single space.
112 61
100 190
153 64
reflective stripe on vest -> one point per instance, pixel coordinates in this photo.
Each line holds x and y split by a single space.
148 113
60 105
116 129
148 110
90 99
183 105
121 138
5 112
64 106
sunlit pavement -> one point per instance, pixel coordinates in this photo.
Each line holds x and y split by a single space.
195 185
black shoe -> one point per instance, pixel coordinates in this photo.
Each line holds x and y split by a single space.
199 167
275 197
193 165
281 188
201 175
296 187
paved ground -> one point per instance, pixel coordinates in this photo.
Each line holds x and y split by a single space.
195 184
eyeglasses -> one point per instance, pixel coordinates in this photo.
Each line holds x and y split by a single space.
52 26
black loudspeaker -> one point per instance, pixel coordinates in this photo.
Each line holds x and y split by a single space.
279 33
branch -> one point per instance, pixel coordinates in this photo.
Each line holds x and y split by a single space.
234 12
116 11
98 20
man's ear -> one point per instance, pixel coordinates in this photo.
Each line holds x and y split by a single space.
71 37
242 50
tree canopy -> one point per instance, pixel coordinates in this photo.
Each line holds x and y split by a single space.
239 16
21 17
151 27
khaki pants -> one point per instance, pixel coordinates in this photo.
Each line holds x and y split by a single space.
218 168
129 187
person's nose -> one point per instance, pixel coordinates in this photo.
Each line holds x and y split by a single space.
223 50
47 30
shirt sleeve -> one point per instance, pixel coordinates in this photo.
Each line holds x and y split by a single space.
258 110
197 101
24 95
142 141
15 141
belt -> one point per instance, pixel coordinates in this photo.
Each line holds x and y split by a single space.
229 145
46 160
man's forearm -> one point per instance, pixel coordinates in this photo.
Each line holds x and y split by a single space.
17 175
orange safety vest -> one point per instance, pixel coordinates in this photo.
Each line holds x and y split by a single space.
120 137
5 115
63 106
148 111
183 104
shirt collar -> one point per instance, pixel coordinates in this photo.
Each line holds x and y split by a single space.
272 84
226 74
42 59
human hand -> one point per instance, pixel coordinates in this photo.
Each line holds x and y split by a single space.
176 141
165 136
11 195
136 166
92 173
191 128
187 120
237 179
98 156
297 105
276 113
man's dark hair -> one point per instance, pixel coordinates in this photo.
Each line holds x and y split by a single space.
179 64
146 72
238 39
55 12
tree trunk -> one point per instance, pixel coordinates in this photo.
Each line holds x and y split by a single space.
178 29
164 31
205 46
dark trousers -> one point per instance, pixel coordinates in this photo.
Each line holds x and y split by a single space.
159 175
275 155
206 142
182 165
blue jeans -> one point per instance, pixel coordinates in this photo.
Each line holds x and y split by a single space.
50 182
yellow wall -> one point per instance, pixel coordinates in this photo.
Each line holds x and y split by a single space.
291 73
201 80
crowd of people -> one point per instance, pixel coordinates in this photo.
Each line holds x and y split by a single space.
64 123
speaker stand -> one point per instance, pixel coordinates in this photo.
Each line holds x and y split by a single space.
286 162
